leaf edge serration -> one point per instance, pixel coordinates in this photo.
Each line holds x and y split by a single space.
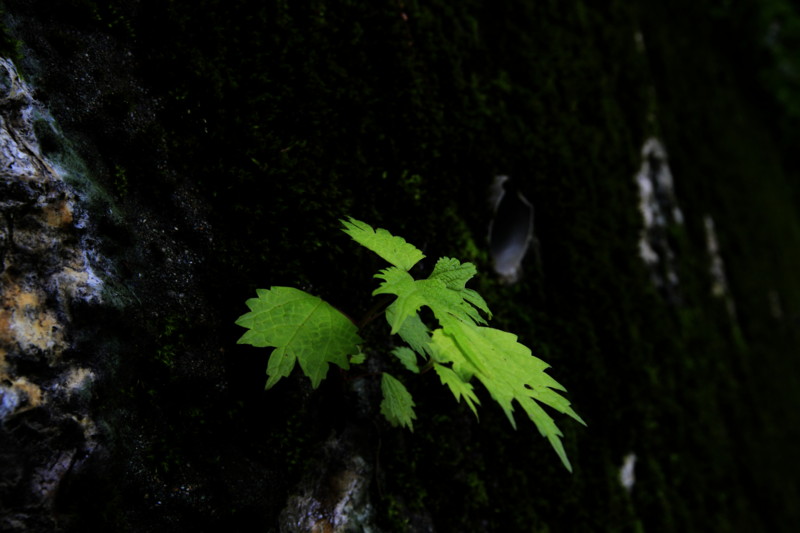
396 250
314 359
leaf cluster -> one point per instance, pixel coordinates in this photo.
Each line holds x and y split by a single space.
304 328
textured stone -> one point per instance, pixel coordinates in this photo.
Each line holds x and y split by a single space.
333 497
44 432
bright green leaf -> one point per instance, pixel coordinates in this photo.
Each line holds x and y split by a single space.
459 387
407 356
302 328
444 292
509 372
413 330
397 405
393 249
357 359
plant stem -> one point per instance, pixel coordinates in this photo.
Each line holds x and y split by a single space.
427 367
373 312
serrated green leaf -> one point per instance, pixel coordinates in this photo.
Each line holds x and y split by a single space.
407 357
397 405
393 249
413 331
459 387
509 372
444 292
455 276
302 328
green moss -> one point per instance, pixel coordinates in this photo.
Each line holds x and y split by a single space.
120 182
171 340
50 141
10 47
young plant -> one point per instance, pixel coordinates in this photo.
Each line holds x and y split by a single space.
307 330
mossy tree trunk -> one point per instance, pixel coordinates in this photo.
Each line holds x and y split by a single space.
211 147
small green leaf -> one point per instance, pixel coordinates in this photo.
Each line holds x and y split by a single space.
397 405
302 328
407 356
459 387
455 276
413 331
444 292
393 249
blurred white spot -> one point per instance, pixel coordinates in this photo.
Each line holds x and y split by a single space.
719 281
627 476
511 229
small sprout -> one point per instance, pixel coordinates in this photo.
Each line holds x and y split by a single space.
306 329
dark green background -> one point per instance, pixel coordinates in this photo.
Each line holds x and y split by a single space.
247 129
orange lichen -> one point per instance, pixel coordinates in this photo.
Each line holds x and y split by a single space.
24 395
322 526
31 392
25 300
5 327
58 215
25 322
72 278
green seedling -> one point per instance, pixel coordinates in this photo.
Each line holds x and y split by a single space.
461 346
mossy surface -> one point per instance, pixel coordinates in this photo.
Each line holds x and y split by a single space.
235 134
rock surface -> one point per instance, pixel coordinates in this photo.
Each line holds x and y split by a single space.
46 427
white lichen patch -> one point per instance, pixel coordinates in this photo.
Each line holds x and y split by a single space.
78 283
46 479
78 380
18 396
333 499
15 161
9 401
352 507
627 472
19 149
719 281
660 211
343 507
